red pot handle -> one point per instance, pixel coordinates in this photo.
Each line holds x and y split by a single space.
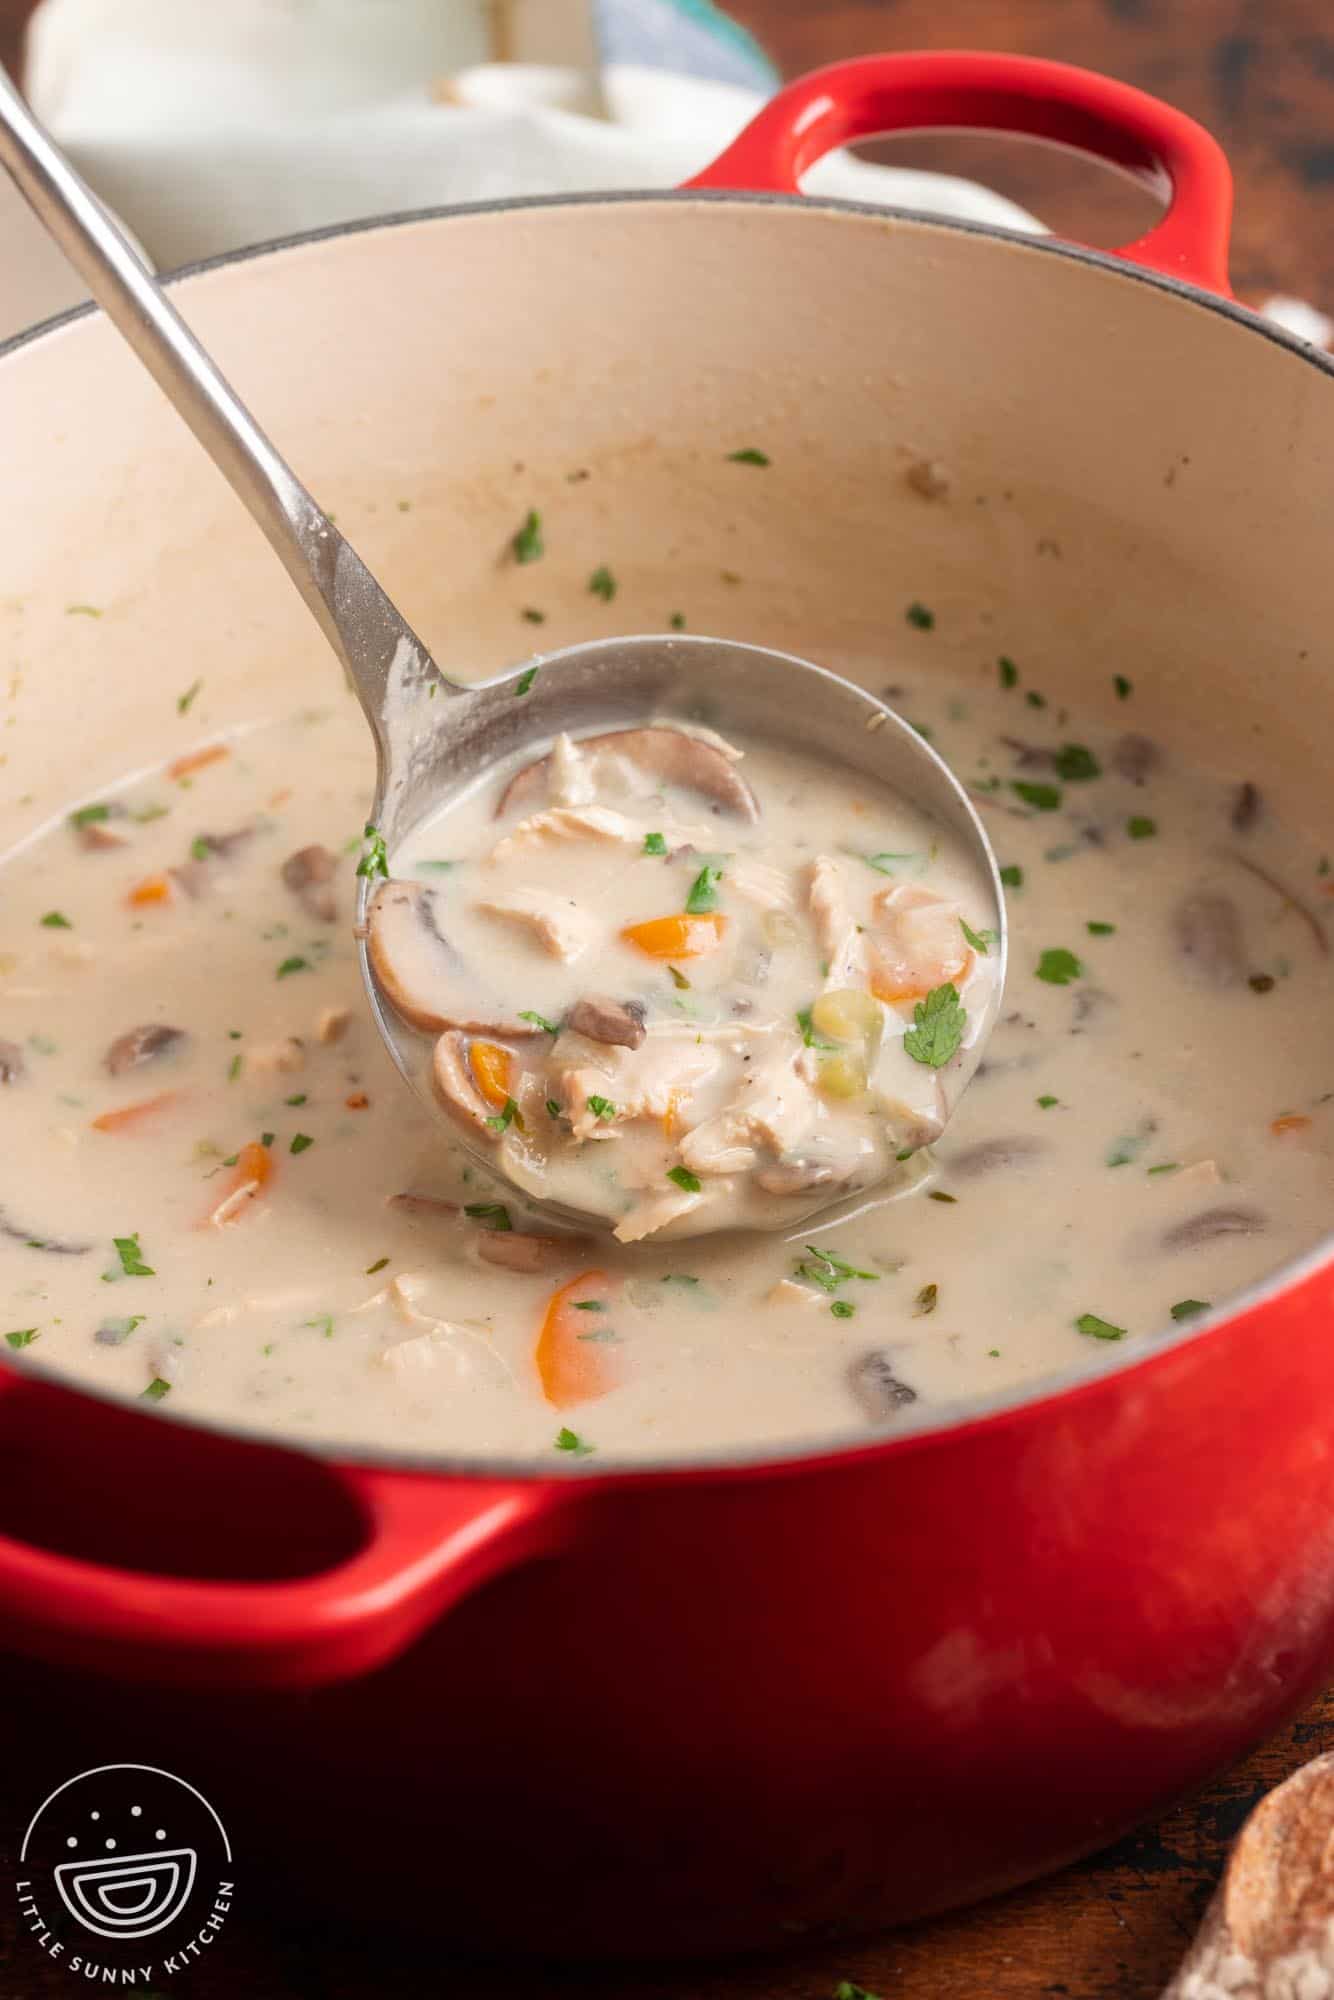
871 95
427 1542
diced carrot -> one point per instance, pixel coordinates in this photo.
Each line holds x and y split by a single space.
574 1365
493 1070
131 1115
677 937
1291 1121
195 760
281 796
892 994
254 1166
153 889
358 1101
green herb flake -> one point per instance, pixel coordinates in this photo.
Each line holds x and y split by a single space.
234 1067
527 542
266 1138
301 1143
378 1265
568 1440
115 1332
654 844
602 1108
1058 967
1046 798
56 920
375 860
925 1302
809 1034
1168 1167
1008 672
590 1305
677 621
883 862
1188 1308
748 456
688 1182
981 941
300 1098
82 611
89 815
920 618
1140 828
325 1323
937 1030
1124 688
1046 1102
848 1989
679 980
201 847
553 1109
291 965
525 680
842 1308
1012 875
602 584
156 1390
131 1260
1076 763
1034 699
1099 1329
1100 930
1261 982
433 867
539 1021
185 702
22 1336
1123 1151
828 1270
532 616
703 895
493 1213
938 1194
508 1115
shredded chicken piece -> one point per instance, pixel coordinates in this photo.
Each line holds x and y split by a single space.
557 922
652 1081
785 1293
331 1023
285 1057
756 882
570 782
654 1213
917 942
559 825
842 945
773 1109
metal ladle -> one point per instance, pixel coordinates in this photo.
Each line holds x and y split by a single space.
428 748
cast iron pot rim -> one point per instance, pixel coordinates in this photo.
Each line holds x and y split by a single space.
963 1413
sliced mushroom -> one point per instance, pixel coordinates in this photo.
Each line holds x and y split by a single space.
517 1252
991 1155
876 1389
1208 932
138 1046
455 1086
57 1246
1213 1223
1030 756
669 756
195 876
1134 757
423 1205
617 1023
423 974
309 874
12 1064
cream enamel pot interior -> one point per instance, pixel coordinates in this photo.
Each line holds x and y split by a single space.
737 1700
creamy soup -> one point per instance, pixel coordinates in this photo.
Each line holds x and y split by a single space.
217 1192
680 996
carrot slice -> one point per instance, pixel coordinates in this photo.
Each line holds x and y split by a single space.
677 937
884 989
153 889
671 1118
195 760
131 1115
254 1166
493 1070
1291 1121
574 1365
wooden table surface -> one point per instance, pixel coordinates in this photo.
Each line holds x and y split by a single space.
1260 73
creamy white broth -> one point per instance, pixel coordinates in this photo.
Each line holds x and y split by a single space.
1159 1051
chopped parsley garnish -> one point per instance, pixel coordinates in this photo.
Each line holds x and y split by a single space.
809 1034
980 940
925 1302
1046 798
938 1025
677 621
749 456
266 1138
1168 1167
828 1270
201 847
1140 828
553 1109
919 617
82 611
508 1115
937 1194
156 1390
1059 966
114 1332
300 1098
602 584
433 867
602 1107
1008 672
324 1321
568 1440
185 701
703 895
679 980
532 615
881 862
1099 1329
56 920
842 1309
290 965
131 1261
89 815
679 1278
1034 699
378 1265
848 1989
654 844
527 542
539 1021
1261 982
525 680
301 1142
1076 763
590 1305
374 861
234 1067
1012 875
1100 930
1122 1151
688 1182
1046 1101
1187 1308
493 1213
22 1336
143 814
1123 687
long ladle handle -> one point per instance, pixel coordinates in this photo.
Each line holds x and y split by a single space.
359 621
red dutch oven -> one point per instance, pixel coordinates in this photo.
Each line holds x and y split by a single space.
713 1704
